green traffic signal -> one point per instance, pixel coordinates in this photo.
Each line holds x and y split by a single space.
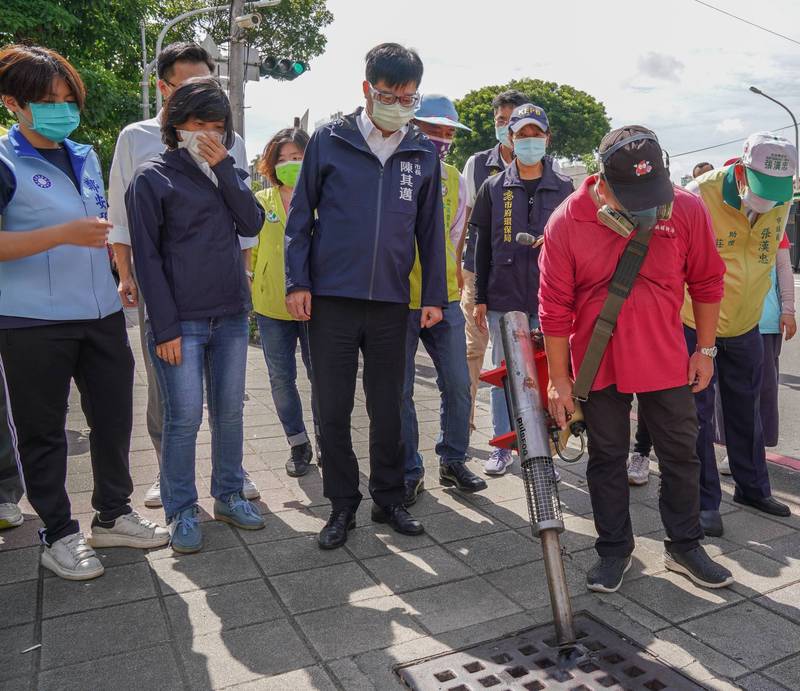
282 68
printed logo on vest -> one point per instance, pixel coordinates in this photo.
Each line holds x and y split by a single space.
272 217
42 181
444 189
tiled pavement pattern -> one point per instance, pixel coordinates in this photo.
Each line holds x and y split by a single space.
268 610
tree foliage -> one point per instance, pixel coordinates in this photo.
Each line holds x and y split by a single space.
102 39
578 121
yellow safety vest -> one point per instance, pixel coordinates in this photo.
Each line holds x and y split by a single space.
748 252
269 282
450 186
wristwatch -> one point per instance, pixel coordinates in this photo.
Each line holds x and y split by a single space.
708 352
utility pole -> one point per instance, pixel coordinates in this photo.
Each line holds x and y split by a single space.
236 68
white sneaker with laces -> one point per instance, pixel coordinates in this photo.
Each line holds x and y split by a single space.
498 462
724 467
638 469
10 516
72 559
249 488
129 530
152 498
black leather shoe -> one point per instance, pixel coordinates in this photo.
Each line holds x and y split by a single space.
334 534
398 518
413 489
299 460
711 522
458 475
768 505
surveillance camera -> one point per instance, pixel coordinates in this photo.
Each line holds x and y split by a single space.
248 21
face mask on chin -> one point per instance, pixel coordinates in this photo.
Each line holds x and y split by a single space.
755 203
189 141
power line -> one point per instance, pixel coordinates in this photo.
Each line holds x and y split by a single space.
716 146
757 26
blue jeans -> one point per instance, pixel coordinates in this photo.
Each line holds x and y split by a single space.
501 423
447 346
279 339
213 349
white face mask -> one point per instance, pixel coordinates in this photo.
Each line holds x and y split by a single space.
391 118
755 203
189 141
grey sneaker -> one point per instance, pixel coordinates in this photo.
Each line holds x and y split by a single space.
725 467
249 488
72 559
152 498
699 567
606 575
638 469
129 530
10 516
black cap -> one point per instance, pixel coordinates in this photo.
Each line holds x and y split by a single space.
632 162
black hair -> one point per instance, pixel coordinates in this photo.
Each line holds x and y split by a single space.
201 98
512 97
27 74
185 51
394 65
272 151
700 165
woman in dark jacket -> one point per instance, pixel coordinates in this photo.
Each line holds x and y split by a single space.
186 208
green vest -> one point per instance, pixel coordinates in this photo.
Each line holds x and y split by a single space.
450 185
269 281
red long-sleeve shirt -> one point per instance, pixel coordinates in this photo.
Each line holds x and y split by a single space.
647 351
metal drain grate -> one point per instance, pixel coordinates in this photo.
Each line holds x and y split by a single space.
529 661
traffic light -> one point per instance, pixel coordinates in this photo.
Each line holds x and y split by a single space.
282 68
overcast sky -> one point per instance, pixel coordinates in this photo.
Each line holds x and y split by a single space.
673 65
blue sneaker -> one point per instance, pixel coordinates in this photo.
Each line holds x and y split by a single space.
185 535
239 512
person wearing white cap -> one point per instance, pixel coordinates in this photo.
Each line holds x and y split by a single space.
446 341
749 202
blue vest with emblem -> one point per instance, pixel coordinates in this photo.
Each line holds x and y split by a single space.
66 282
487 164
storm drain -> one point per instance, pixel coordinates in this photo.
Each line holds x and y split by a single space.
530 661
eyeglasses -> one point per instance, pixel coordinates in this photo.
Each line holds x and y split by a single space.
389 99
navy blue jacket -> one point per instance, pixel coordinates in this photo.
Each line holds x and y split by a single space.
487 163
184 235
352 223
507 273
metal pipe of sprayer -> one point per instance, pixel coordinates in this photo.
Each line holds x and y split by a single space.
538 473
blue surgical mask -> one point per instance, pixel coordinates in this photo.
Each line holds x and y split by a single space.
501 133
54 121
530 150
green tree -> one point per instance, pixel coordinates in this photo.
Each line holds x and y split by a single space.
102 39
578 120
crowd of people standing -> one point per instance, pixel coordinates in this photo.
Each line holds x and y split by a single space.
430 256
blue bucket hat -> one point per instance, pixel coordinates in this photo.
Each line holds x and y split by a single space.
436 109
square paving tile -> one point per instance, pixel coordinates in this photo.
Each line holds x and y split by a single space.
88 635
526 584
151 668
295 554
227 658
745 527
787 673
13 662
749 634
451 526
755 573
456 605
181 573
359 626
418 569
18 603
374 541
785 601
496 551
218 608
309 678
19 564
304 591
117 585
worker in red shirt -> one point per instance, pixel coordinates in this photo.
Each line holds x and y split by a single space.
646 354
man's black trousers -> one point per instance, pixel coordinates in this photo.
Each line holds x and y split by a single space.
40 361
339 329
672 423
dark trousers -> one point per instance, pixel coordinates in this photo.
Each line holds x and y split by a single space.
738 370
643 444
769 388
11 488
338 330
673 425
40 361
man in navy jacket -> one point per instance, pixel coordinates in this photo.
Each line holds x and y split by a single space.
369 190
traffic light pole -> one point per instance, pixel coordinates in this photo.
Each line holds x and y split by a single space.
236 69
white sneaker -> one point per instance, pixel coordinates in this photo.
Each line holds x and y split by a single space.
10 516
249 488
72 559
498 462
724 467
638 469
152 498
129 530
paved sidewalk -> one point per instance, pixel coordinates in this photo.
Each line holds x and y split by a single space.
269 610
